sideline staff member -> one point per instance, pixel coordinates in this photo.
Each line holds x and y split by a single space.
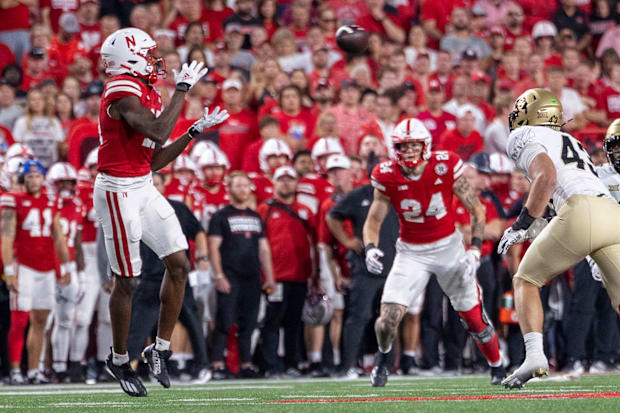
238 250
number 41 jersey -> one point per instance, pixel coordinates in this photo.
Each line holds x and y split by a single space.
424 205
575 173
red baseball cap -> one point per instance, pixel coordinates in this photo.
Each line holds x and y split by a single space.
435 85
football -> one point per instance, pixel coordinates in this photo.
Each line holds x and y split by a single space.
352 39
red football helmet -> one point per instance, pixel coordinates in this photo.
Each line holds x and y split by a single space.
411 130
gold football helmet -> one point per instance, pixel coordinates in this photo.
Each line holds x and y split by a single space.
612 138
536 107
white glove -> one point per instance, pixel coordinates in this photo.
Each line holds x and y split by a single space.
373 260
594 269
471 261
511 237
207 121
189 75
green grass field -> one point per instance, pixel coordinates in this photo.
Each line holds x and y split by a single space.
462 394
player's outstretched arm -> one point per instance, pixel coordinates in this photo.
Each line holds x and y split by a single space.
163 156
471 202
143 121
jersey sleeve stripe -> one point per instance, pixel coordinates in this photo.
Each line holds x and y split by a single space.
7 201
115 83
377 185
128 89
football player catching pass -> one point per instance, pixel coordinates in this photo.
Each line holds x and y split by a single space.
133 129
559 169
419 184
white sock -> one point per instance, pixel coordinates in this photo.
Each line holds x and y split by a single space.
119 359
336 354
315 356
410 353
161 344
60 366
533 343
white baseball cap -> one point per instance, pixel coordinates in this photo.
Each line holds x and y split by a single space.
285 170
228 83
544 28
337 161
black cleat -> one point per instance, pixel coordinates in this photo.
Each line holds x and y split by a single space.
157 362
497 375
129 381
379 376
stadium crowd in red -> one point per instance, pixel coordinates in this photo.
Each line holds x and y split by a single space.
295 98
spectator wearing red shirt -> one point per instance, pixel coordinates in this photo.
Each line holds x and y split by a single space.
463 140
14 31
435 119
51 11
267 15
296 122
90 31
188 11
240 129
609 98
514 24
544 33
385 20
36 69
66 43
350 115
290 228
479 93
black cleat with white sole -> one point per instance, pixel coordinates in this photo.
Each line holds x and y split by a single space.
129 381
156 360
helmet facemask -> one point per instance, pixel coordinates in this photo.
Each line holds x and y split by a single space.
611 143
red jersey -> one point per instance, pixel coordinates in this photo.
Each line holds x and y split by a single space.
71 220
291 241
464 146
124 152
325 236
437 125
312 190
236 134
424 206
206 203
177 189
34 246
463 217
89 224
263 187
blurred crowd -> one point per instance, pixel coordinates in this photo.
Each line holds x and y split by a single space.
307 123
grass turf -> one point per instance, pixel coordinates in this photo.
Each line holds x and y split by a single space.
462 394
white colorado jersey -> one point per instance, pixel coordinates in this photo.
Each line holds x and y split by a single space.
575 173
611 179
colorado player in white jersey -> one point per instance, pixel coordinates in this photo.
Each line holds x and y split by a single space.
559 168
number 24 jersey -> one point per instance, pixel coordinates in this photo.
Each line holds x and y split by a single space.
423 204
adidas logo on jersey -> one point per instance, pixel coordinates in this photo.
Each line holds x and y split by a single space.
438 181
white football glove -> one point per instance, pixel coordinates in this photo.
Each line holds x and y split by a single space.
594 269
207 121
511 237
373 260
189 74
471 261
